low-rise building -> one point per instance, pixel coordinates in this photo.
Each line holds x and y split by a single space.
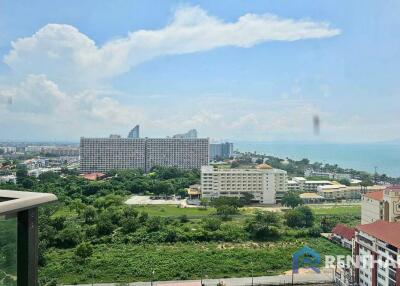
37 172
340 192
93 176
194 192
343 235
311 198
263 182
8 179
300 184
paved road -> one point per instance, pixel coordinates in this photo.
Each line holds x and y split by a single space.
322 278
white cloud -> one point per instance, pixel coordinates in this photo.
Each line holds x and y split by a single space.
62 52
62 72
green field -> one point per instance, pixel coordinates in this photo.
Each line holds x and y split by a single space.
336 210
127 263
174 211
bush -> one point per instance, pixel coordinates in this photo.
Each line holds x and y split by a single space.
300 217
211 223
84 250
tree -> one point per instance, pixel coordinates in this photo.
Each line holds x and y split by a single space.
27 183
204 202
227 201
263 226
300 217
225 211
247 198
21 173
69 236
291 199
84 250
345 181
89 214
211 223
104 224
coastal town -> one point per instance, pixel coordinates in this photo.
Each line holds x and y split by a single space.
211 181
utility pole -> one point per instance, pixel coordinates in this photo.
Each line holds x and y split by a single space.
375 175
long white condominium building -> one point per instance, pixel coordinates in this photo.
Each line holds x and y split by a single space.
105 154
376 245
263 182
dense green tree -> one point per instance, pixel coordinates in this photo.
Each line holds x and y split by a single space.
211 223
263 226
84 250
21 173
301 216
291 199
226 211
345 182
89 214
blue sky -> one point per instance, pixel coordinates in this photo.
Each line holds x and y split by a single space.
244 70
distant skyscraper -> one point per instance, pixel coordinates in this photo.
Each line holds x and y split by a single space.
134 133
191 134
221 150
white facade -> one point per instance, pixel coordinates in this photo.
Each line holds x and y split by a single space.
263 184
105 154
370 247
381 205
8 179
371 209
333 192
300 184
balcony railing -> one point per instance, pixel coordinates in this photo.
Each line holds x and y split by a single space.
19 236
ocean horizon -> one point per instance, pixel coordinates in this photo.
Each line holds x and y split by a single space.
358 156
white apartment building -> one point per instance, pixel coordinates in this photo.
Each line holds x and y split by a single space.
263 182
382 204
378 241
105 154
300 184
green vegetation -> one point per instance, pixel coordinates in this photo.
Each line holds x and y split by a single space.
8 253
291 199
92 229
127 262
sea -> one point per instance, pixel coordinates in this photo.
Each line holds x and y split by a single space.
361 156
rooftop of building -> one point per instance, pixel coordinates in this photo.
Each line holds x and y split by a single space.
375 195
263 166
388 232
93 176
344 231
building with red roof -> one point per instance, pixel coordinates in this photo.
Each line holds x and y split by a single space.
93 176
381 205
343 235
375 244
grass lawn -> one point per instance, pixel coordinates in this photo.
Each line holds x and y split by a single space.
174 211
127 263
337 210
